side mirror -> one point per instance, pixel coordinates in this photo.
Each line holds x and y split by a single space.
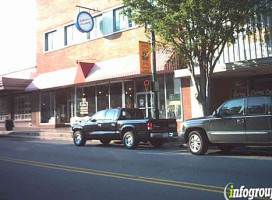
93 120
216 113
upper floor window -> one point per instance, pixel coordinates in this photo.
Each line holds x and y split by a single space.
105 23
98 28
50 40
72 35
121 21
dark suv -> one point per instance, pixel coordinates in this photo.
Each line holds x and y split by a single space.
237 122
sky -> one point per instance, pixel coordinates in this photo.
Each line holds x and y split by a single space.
17 35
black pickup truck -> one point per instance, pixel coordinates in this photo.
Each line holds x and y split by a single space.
128 125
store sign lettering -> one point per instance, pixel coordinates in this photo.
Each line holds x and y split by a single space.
84 22
83 107
260 92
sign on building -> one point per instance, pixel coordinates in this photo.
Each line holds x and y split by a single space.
145 57
83 107
84 22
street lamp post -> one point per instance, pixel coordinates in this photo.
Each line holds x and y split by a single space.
155 109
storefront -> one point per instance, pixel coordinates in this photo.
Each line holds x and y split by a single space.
226 87
134 93
14 102
58 106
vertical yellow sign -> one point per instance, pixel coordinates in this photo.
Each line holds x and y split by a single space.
145 57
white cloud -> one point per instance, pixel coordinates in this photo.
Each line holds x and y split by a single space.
17 35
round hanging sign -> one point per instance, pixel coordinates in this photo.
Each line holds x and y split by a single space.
84 22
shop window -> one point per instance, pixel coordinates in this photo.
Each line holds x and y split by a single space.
161 94
121 21
129 94
22 108
173 103
47 107
50 41
116 95
4 109
102 97
86 101
142 86
71 102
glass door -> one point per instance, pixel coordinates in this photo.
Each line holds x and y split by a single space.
144 103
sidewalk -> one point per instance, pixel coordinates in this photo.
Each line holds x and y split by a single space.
38 133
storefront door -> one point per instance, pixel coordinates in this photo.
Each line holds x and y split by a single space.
144 102
61 107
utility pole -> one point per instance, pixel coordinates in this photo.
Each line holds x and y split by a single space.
154 82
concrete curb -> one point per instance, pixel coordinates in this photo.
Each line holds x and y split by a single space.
55 135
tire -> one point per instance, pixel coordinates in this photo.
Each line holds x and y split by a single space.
105 141
130 140
225 147
79 139
157 143
198 143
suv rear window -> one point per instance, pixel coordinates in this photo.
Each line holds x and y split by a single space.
256 105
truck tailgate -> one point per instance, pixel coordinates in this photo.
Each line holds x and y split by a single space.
164 125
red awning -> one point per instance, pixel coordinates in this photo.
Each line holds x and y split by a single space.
83 70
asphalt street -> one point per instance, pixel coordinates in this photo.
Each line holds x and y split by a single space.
55 170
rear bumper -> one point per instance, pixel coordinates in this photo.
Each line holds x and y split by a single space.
146 135
164 135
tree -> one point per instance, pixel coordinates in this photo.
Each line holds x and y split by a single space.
197 30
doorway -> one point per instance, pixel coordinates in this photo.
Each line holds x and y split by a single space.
61 108
144 100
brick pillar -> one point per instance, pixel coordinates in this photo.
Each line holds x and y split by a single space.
186 98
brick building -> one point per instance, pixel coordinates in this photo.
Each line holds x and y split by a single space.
79 73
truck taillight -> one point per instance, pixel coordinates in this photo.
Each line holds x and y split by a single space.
149 126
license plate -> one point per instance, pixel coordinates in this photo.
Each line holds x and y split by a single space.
165 135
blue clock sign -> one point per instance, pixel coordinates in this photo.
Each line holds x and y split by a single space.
84 22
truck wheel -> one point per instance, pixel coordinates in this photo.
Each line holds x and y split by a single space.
105 141
79 139
157 142
198 142
130 140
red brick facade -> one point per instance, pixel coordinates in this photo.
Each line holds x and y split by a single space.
116 45
186 98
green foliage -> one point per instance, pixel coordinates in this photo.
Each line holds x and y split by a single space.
197 29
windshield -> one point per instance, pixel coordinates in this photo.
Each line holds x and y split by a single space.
132 114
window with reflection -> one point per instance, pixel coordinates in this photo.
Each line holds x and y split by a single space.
173 103
47 107
116 95
233 108
102 97
129 94
256 105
